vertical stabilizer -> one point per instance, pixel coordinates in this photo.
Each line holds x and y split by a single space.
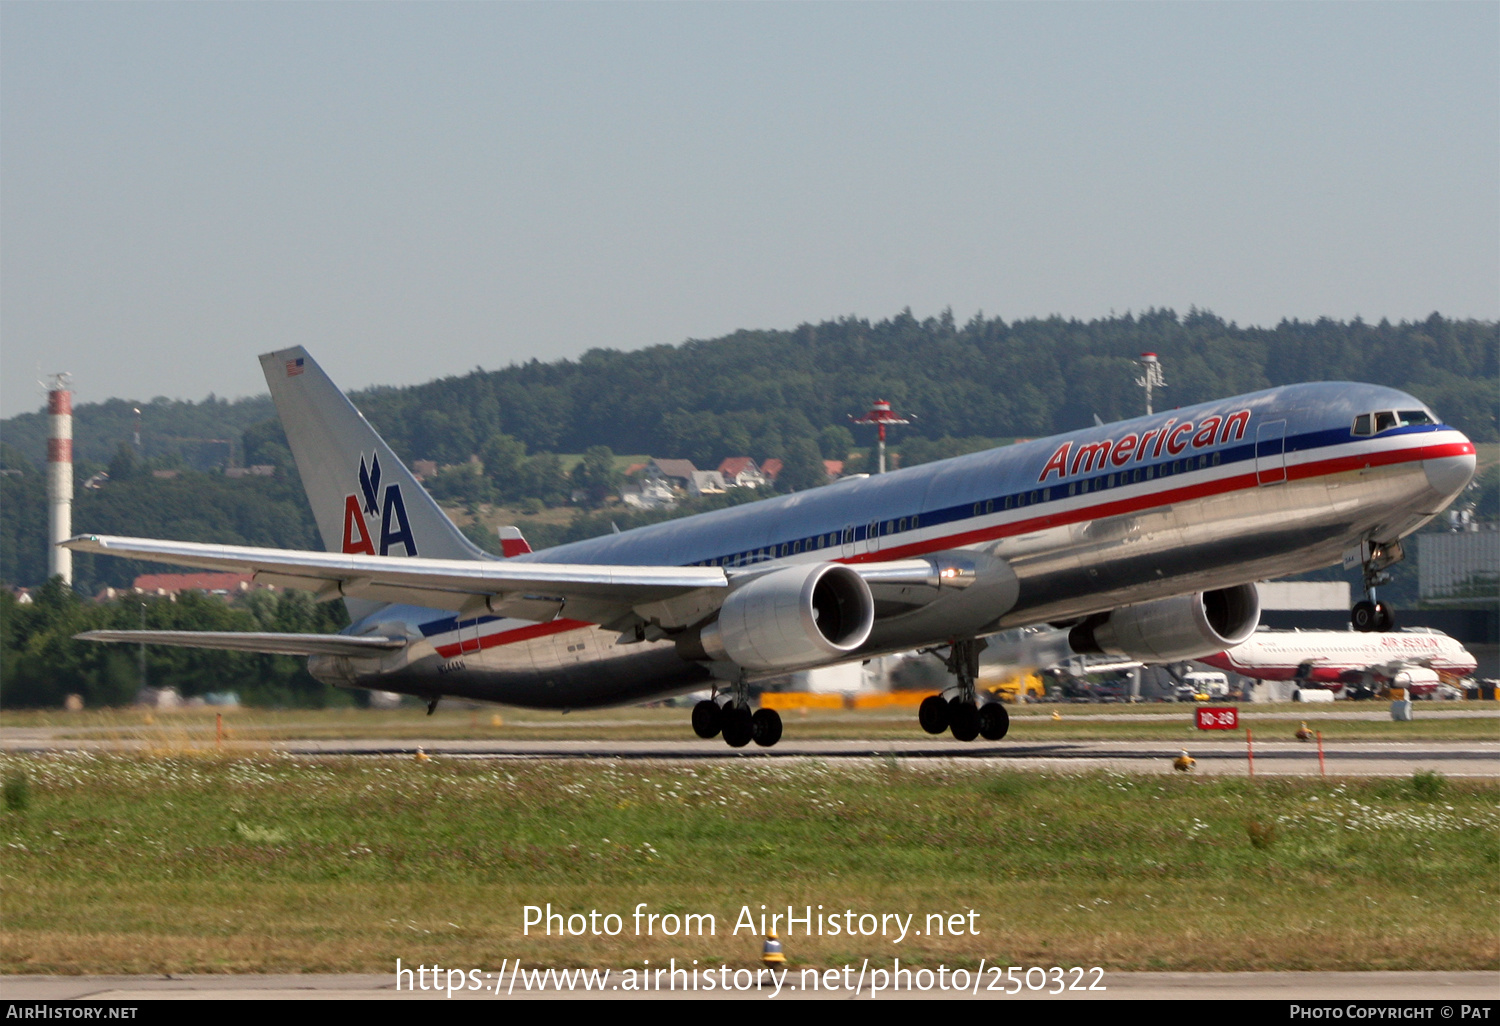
512 543
362 496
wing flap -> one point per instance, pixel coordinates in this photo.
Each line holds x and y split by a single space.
240 641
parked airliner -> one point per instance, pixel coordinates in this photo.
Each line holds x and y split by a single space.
1417 658
1145 537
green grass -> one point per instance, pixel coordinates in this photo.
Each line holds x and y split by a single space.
271 864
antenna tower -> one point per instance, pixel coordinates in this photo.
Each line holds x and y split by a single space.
880 415
1150 377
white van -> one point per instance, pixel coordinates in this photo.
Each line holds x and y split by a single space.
1202 686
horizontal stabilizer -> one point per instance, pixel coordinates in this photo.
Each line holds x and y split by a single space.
240 641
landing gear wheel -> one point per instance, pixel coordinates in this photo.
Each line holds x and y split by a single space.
1363 615
765 727
994 721
1385 617
932 714
963 720
738 728
707 722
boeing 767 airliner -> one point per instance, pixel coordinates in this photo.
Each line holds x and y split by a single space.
1146 537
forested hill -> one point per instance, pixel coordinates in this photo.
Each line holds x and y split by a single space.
753 392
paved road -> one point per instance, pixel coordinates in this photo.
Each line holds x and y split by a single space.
1272 758
1453 989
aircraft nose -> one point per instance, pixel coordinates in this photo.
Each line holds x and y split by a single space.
1450 475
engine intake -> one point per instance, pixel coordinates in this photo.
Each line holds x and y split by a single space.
1185 627
796 616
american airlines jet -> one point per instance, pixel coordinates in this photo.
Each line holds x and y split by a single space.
1145 537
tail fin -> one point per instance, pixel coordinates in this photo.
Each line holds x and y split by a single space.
512 542
363 498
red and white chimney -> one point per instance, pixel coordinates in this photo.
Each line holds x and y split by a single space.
59 478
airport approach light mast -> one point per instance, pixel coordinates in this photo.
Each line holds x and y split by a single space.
880 415
59 477
1150 377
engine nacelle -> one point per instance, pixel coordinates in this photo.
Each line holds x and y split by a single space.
1418 681
796 616
1185 627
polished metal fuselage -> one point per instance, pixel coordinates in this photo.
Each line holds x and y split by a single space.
1278 485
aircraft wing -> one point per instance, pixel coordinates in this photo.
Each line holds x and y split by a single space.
533 591
1389 669
245 641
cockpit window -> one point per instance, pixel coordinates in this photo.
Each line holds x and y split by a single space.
1385 420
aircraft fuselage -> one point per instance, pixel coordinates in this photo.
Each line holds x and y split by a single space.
1211 496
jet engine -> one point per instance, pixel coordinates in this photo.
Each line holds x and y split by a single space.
1185 627
795 616
1419 681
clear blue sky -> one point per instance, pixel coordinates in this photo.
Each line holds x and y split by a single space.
412 190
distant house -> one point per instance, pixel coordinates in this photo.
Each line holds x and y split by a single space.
741 472
706 482
771 470
654 494
676 473
834 469
225 585
259 470
424 469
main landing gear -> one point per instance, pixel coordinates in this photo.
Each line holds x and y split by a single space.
736 722
957 709
1369 614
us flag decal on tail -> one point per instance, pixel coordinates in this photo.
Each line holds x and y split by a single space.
294 367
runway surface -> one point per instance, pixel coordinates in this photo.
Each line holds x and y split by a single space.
1446 989
1271 758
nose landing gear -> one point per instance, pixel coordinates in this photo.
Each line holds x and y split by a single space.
1370 614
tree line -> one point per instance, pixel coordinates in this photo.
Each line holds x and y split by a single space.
192 506
752 393
41 664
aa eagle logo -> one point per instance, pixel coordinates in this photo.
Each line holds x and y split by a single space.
390 508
